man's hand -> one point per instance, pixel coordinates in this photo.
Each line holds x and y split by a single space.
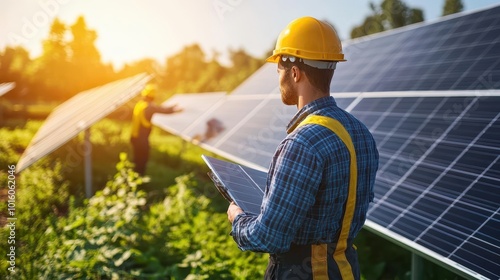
232 211
165 109
175 109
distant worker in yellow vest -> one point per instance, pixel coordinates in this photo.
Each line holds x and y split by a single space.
141 125
320 181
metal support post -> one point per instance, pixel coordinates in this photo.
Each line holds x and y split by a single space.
88 163
417 267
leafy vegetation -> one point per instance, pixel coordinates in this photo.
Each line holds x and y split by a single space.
116 236
452 6
171 225
389 15
120 234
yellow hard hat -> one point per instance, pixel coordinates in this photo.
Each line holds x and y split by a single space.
309 39
149 91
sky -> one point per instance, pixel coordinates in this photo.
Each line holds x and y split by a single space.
129 30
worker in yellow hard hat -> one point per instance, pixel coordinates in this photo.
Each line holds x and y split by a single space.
321 177
141 125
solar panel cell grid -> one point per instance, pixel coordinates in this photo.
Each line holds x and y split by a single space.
453 185
490 136
467 216
386 148
385 214
440 240
343 102
440 54
494 170
490 229
484 260
411 225
485 193
442 175
242 188
262 133
432 206
424 176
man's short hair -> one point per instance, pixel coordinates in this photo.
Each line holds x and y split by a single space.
319 78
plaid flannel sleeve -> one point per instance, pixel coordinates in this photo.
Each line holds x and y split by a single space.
292 187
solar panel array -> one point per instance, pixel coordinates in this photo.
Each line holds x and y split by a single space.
6 87
460 53
79 113
430 95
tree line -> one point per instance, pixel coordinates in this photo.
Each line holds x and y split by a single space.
392 14
70 63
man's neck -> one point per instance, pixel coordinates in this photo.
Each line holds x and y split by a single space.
310 96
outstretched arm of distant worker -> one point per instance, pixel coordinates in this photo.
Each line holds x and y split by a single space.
167 109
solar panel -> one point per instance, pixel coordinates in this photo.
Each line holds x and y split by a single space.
430 95
263 81
239 184
438 183
455 53
194 105
78 114
6 87
262 133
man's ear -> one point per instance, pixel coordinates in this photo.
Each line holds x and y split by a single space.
296 74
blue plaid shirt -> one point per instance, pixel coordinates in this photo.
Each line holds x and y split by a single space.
307 185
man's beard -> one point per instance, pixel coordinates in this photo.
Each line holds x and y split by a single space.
288 93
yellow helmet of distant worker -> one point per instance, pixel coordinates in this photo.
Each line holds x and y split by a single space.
149 91
311 40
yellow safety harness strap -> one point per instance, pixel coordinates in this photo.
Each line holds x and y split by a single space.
319 263
139 118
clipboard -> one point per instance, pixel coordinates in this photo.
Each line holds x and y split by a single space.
238 183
